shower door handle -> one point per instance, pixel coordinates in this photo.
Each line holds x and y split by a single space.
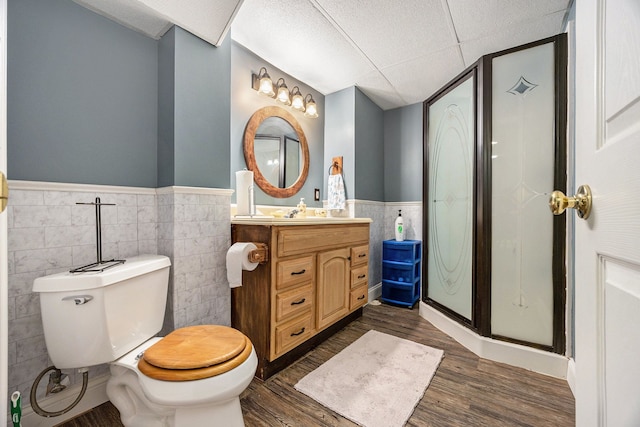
581 202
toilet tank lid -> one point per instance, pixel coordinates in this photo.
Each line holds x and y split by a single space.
134 266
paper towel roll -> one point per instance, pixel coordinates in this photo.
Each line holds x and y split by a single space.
238 260
244 183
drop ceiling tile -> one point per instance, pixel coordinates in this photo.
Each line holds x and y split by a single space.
396 51
475 19
417 80
391 31
513 36
380 91
295 37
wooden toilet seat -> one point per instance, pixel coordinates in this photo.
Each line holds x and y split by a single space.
195 352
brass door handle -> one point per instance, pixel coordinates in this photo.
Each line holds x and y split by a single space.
4 192
558 202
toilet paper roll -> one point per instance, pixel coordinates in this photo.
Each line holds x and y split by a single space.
238 260
244 182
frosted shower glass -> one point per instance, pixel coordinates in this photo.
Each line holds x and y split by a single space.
450 199
522 178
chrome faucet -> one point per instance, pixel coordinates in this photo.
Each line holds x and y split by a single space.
292 213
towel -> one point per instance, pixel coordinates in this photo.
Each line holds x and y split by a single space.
336 194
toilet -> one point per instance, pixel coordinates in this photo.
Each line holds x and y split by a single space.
194 376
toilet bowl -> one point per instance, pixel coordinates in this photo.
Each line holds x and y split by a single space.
192 377
211 401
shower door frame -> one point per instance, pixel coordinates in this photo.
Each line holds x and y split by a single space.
482 199
473 73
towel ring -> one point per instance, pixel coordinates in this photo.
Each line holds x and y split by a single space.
333 165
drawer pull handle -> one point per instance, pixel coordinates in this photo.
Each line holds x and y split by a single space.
294 273
362 255
362 297
295 334
299 302
362 276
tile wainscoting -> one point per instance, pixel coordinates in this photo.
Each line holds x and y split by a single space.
194 231
384 215
48 232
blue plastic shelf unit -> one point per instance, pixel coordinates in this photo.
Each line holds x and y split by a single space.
401 272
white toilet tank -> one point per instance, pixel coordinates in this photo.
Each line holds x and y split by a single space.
94 318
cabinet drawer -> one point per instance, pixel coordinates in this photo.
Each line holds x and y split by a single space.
303 239
294 271
295 301
358 297
290 334
359 276
359 255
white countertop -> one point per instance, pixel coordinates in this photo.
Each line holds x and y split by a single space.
310 220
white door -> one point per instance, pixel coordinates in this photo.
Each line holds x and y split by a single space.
607 245
4 305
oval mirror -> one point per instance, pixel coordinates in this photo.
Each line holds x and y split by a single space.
276 150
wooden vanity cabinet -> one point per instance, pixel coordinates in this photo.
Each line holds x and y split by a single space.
314 283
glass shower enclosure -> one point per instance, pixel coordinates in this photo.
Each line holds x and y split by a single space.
495 148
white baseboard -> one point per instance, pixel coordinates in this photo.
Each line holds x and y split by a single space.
571 375
529 358
375 292
95 395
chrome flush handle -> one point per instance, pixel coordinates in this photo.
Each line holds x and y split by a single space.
78 299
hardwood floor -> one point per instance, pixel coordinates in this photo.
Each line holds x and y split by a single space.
465 391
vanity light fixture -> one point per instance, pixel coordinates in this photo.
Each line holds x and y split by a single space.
283 92
297 101
263 84
310 107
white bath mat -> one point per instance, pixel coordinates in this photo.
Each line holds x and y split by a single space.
377 381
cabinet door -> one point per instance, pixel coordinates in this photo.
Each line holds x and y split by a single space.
334 275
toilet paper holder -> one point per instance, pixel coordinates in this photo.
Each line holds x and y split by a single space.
260 254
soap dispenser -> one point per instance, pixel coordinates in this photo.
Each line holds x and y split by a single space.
302 208
399 227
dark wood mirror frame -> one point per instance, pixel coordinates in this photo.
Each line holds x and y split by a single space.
249 155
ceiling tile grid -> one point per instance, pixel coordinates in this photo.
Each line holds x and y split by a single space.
397 51
294 36
420 78
475 19
379 90
532 30
390 32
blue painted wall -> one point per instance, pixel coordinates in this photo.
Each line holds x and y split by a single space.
369 149
90 101
82 97
202 111
340 131
246 101
166 108
194 111
354 129
403 159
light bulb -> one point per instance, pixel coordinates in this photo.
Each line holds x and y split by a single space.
297 101
310 108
